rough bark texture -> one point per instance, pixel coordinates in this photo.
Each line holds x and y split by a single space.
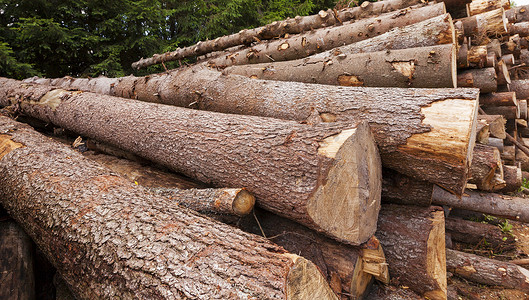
398 117
508 112
481 6
413 239
16 260
521 29
477 56
488 24
518 14
484 79
513 178
488 203
475 233
498 99
486 163
355 266
401 189
330 172
488 271
279 28
329 38
521 88
496 124
502 73
494 47
423 67
389 292
110 238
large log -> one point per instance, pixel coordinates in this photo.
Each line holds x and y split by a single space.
330 172
486 163
423 67
355 266
399 118
316 41
413 239
110 238
487 271
476 233
482 26
279 28
16 260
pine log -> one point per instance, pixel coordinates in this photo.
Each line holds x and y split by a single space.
502 73
487 271
324 39
484 79
413 240
508 59
486 162
279 28
401 189
424 67
270 157
491 61
513 178
522 29
521 88
494 47
488 203
492 23
498 99
356 266
110 238
477 56
17 279
509 112
398 117
475 233
481 6
496 125
482 133
462 56
518 14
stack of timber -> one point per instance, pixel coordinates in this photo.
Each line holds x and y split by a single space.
354 132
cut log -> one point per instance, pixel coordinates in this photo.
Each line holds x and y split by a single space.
482 26
494 47
316 41
477 56
521 29
108 237
508 59
509 154
271 157
355 266
401 189
523 159
476 233
523 110
389 292
491 60
488 203
462 56
399 118
426 67
513 178
279 28
502 73
496 125
518 14
486 162
508 112
487 271
521 88
482 6
484 79
413 239
498 99
17 280
482 133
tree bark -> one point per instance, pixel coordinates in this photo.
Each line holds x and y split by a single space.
484 79
521 88
401 189
518 14
502 73
487 271
488 203
389 292
482 6
324 39
279 28
508 112
486 163
509 59
109 238
482 26
494 47
356 266
498 99
424 67
521 29
16 260
399 118
513 178
413 240
475 233
477 56
271 158
496 124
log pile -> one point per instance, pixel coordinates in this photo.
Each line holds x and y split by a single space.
354 133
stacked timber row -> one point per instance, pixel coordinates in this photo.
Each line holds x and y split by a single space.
316 120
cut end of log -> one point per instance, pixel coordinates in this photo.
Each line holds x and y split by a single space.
436 255
243 203
453 63
347 203
304 281
7 145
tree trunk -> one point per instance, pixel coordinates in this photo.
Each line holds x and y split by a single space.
521 29
324 39
279 28
518 14
482 6
109 238
521 88
513 178
399 118
488 203
486 162
424 67
487 271
16 258
413 239
479 27
508 112
475 233
496 124
484 79
498 99
401 189
355 266
271 158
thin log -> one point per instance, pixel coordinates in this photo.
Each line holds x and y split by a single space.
488 203
109 237
508 112
492 23
482 133
496 125
502 73
523 109
485 79
491 60
487 271
401 146
475 233
509 154
521 88
481 6
462 56
401 189
426 67
413 239
513 178
324 39
278 28
234 150
494 47
509 59
486 162
522 29
498 99
517 144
